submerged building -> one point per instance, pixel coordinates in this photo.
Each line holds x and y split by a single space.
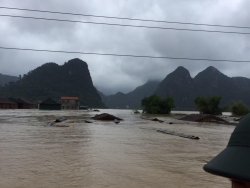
70 103
7 104
49 104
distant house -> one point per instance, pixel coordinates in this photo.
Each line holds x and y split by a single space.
22 103
7 104
70 103
49 104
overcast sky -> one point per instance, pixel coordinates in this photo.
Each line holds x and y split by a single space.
113 74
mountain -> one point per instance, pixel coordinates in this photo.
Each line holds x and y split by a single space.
132 99
212 82
242 83
183 88
51 80
5 79
180 85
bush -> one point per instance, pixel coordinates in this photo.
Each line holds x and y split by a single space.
209 105
240 109
155 105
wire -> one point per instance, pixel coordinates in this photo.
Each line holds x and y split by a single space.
124 18
137 26
126 55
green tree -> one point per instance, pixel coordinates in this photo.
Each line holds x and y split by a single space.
155 105
209 105
239 108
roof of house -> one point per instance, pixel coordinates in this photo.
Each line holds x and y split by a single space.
5 100
202 117
49 101
24 101
69 98
105 116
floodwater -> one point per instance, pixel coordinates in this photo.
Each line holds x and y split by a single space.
105 154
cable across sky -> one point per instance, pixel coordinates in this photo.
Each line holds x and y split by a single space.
126 25
125 18
126 55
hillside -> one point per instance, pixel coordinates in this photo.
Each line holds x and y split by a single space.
211 81
5 79
51 80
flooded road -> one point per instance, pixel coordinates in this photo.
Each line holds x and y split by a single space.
105 154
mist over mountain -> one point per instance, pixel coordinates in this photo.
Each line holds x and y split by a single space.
132 99
5 79
51 80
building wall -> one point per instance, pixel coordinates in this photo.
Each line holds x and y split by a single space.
70 104
8 106
49 107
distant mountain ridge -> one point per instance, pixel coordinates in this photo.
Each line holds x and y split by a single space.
132 99
180 85
51 80
5 79
183 88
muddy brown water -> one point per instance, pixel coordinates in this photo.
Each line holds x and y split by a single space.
105 154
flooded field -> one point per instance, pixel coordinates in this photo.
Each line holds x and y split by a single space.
105 154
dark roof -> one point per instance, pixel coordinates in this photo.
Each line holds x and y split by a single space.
13 100
24 101
202 117
5 100
49 101
106 116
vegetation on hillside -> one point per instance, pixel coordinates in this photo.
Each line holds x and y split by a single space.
208 105
240 109
155 105
53 81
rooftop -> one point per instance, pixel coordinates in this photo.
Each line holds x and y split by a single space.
69 98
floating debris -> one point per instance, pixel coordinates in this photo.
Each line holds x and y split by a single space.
152 119
49 124
116 121
95 110
155 119
106 116
60 119
178 134
86 121
136 111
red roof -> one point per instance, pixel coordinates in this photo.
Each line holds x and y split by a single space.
70 98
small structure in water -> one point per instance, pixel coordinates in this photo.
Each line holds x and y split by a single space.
106 116
203 118
178 134
49 104
116 121
70 103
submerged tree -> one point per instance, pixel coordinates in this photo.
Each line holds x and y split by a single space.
209 105
155 105
239 108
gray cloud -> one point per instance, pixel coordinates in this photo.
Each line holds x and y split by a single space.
113 74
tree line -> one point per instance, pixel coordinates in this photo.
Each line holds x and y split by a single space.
205 105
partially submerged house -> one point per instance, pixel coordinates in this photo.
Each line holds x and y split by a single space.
22 103
203 118
70 103
7 104
49 104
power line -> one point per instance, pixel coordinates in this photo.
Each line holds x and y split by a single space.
125 18
126 55
122 25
